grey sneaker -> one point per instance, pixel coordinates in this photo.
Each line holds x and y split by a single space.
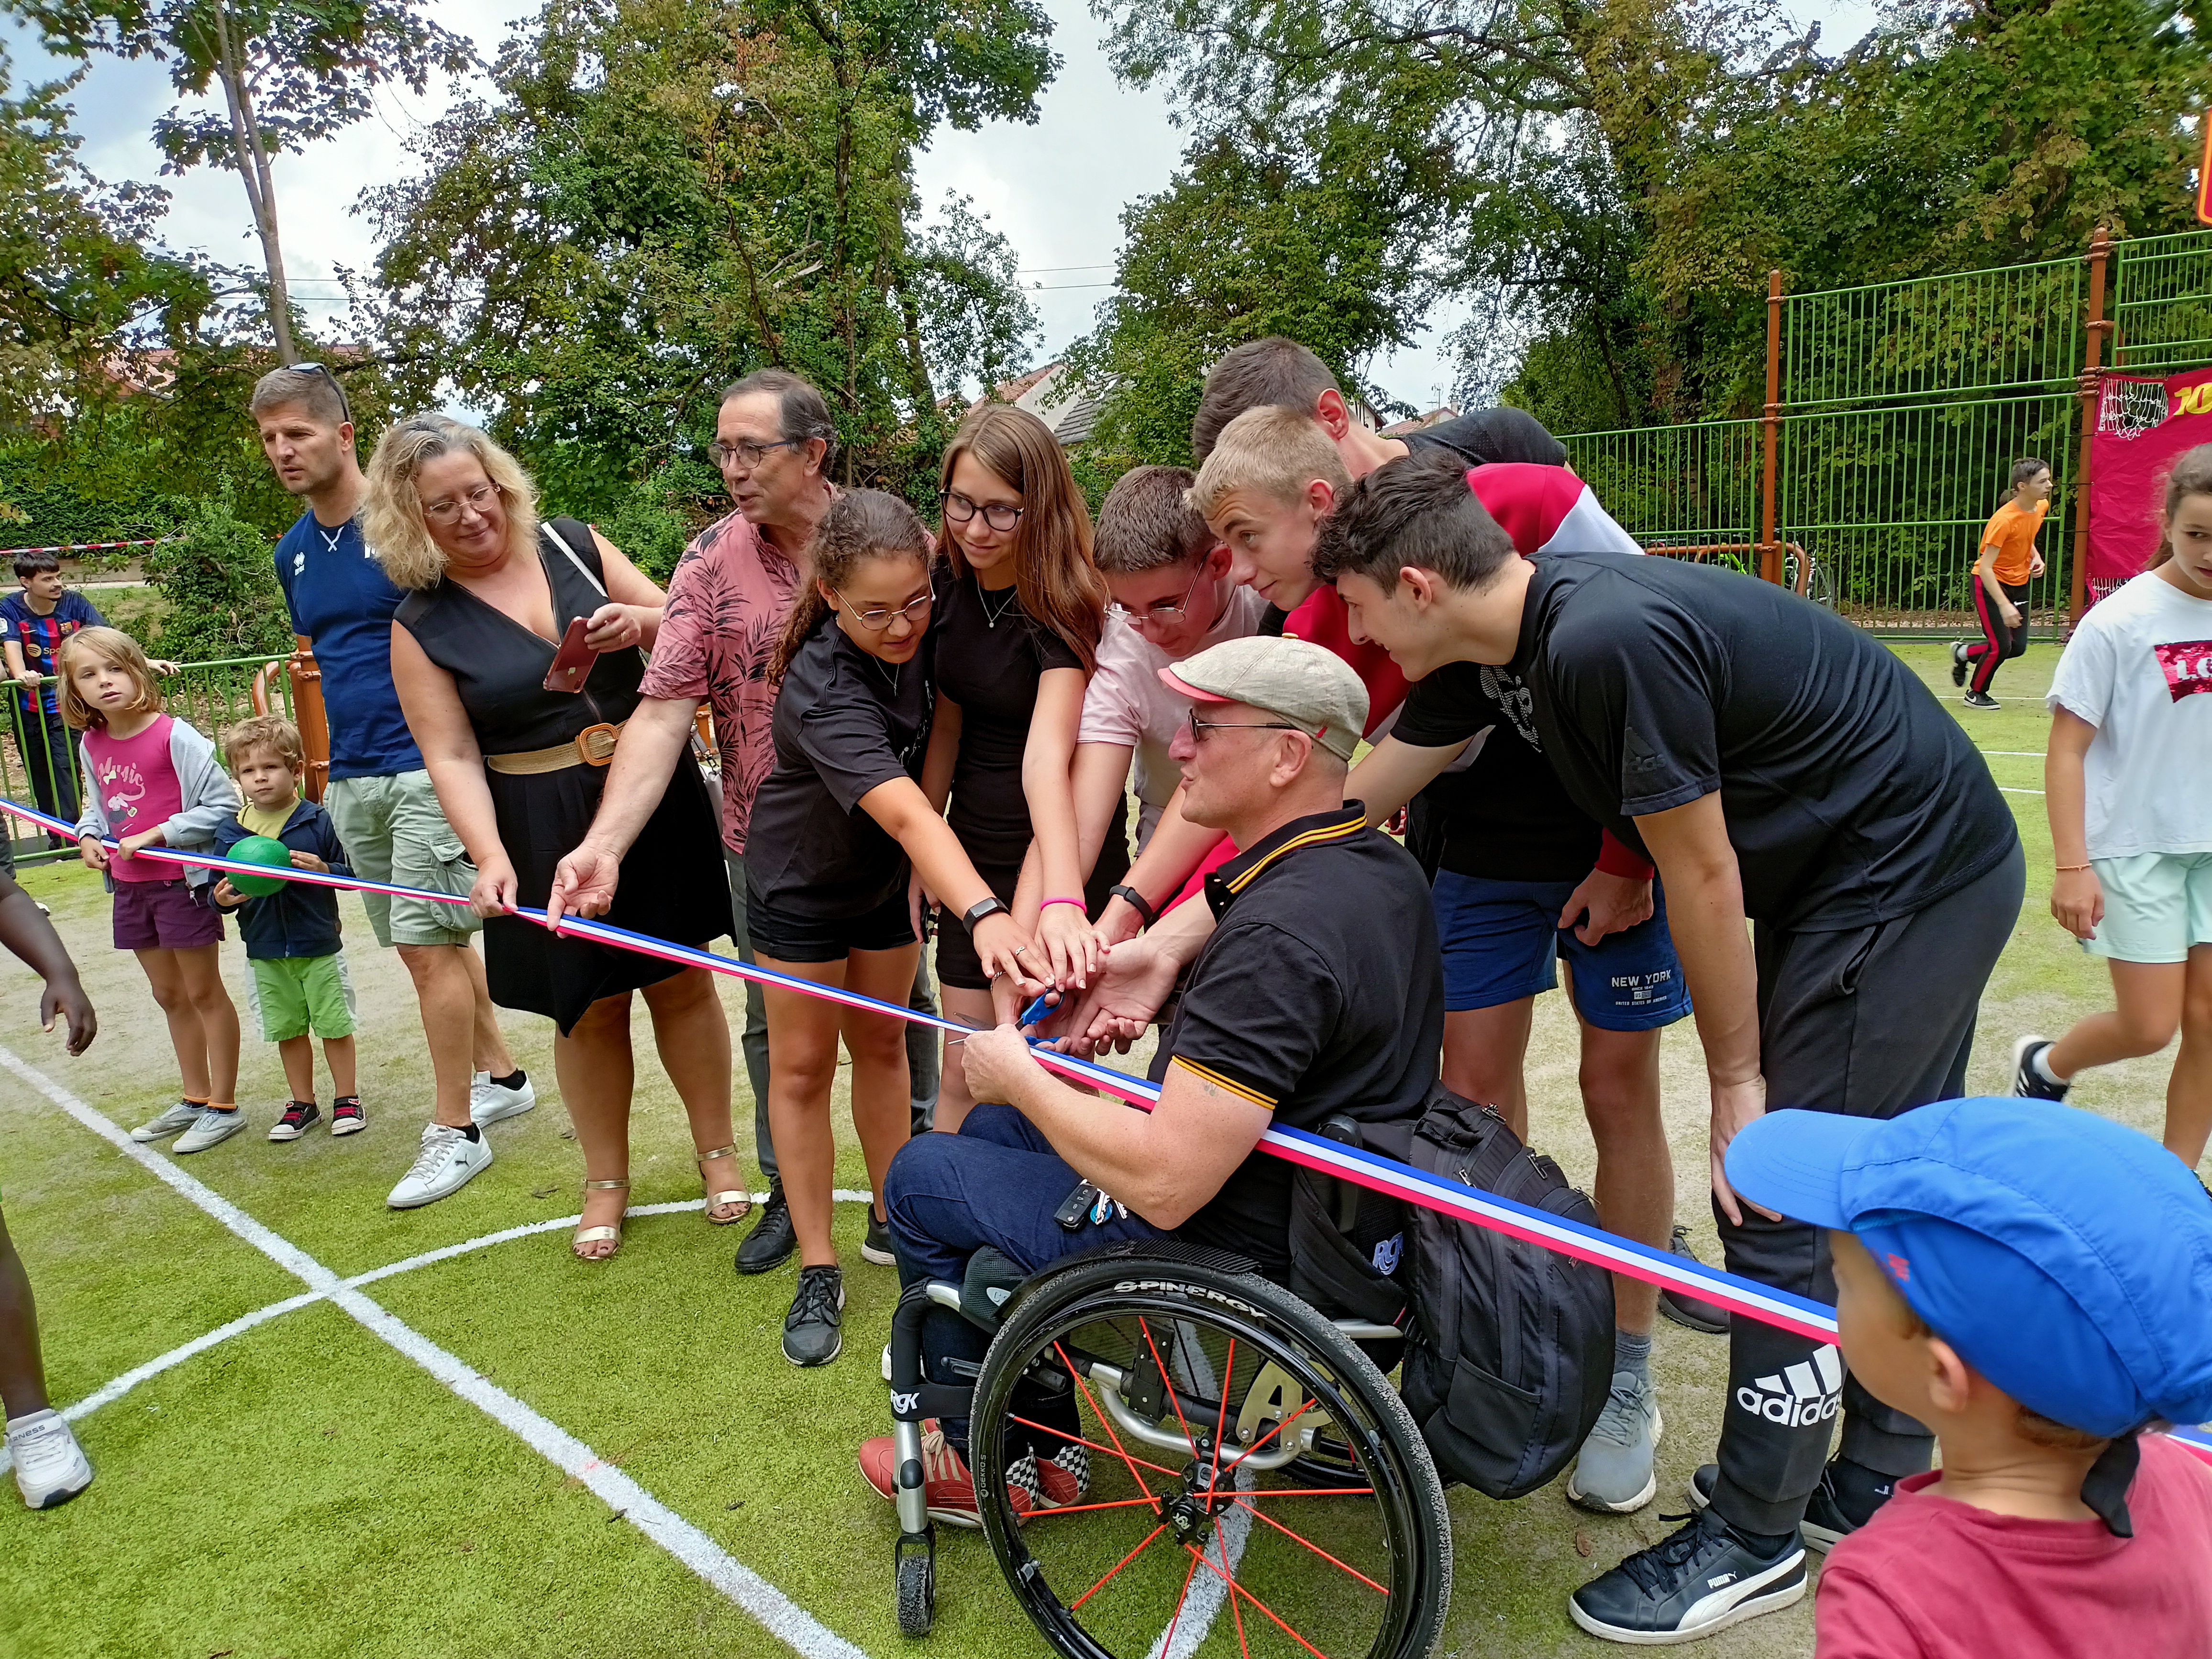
50 1467
209 1128
1614 1474
812 1333
489 1102
179 1118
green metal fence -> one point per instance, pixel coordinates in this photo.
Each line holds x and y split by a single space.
212 695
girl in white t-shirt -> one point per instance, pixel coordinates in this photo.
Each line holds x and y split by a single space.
2128 783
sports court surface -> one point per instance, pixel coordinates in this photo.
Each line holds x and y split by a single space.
323 1427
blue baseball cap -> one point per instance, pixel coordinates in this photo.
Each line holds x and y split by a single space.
2065 1258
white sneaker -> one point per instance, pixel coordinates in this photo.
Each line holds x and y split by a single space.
447 1162
179 1117
211 1127
489 1102
50 1467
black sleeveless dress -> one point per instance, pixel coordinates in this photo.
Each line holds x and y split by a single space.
673 886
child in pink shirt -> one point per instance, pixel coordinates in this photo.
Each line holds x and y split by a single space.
153 780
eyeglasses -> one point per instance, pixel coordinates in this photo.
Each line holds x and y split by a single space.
878 617
746 452
1199 728
344 408
999 515
1159 614
478 501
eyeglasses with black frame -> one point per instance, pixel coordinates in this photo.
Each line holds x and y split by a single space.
1199 728
1159 616
877 618
746 450
1001 516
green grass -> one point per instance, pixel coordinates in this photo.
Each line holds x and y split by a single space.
303 1490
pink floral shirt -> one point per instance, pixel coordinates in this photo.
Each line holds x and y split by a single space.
727 604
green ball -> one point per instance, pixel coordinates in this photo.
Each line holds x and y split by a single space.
259 849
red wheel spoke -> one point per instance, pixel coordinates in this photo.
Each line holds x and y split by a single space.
1117 1567
1220 1427
1167 1644
1270 1435
1078 1509
1167 1381
1092 1445
1098 1412
1236 1590
1315 1491
1309 1543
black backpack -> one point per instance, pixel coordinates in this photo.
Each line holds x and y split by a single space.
1509 1352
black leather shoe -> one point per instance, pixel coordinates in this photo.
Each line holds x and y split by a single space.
771 1242
1686 1309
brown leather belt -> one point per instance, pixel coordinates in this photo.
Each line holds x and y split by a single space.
592 746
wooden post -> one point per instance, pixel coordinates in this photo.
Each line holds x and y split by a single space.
308 712
2090 386
1770 539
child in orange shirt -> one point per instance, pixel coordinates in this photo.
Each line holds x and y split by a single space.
2008 563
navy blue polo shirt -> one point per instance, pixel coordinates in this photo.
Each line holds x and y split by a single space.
341 598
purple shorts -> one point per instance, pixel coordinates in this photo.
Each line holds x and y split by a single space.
162 915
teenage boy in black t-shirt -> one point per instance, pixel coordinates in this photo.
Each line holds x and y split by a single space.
1781 766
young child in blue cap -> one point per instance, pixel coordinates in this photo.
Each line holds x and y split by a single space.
2036 1287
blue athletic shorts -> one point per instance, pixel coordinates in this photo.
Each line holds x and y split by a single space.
1501 944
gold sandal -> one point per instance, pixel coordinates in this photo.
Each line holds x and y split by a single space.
599 1235
732 1195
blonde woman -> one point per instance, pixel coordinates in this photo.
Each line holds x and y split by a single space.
519 769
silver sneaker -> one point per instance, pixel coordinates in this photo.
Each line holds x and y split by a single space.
179 1118
1614 1473
489 1103
50 1467
449 1160
211 1127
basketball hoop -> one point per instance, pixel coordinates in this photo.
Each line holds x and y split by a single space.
2128 405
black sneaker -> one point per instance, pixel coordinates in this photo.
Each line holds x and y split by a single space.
813 1330
1980 700
300 1116
1958 663
877 1246
347 1117
1686 1309
770 1242
1845 1501
1700 1578
2027 1083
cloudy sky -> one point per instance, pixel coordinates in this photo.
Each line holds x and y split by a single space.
1056 190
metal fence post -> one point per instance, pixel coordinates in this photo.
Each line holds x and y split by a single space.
2084 466
1769 542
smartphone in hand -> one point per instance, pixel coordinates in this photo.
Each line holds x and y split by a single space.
572 662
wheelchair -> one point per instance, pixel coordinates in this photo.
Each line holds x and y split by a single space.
1171 1451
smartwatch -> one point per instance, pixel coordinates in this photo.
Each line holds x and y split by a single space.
983 908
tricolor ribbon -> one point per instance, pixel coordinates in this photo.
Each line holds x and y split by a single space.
1798 1314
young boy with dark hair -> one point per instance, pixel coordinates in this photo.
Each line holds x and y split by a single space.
2036 1287
292 935
38 617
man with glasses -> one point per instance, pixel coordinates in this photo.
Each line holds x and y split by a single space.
1175 591
1316 992
379 795
727 604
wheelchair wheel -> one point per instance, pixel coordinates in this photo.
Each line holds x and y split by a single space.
1148 1436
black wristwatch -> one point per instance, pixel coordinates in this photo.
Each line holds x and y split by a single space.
1136 902
982 907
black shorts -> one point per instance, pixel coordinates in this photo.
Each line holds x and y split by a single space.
957 964
783 936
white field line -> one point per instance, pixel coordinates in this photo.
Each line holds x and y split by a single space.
784 1618
2004 791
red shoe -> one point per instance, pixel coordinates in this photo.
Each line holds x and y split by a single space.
946 1480
1053 1483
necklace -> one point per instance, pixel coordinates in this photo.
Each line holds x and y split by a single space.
992 618
890 675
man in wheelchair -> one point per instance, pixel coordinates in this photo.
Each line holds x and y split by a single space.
1315 991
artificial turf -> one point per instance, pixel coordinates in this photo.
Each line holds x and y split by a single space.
304 1490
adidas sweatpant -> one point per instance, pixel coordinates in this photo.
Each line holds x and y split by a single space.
1872 1022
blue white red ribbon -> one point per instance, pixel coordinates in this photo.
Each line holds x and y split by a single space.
1814 1320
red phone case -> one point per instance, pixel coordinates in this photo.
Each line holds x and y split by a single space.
572 662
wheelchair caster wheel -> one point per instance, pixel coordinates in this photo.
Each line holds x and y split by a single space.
916 1572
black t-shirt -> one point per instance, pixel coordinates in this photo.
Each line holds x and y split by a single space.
1482 436
1851 796
844 723
990 655
1505 815
1321 991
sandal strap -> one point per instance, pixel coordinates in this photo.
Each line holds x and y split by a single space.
606 1186
596 1235
715 1201
719 1151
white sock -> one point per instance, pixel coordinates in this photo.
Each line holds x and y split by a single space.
2041 1064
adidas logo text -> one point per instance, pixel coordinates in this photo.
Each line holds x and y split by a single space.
1805 1394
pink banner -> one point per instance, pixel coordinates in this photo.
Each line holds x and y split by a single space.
2133 448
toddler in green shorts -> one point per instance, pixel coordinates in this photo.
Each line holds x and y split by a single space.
292 936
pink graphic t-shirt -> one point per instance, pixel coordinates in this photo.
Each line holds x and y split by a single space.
140 790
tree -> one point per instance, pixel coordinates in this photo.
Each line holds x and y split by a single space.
291 72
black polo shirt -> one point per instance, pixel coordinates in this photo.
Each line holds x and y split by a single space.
1321 991
1853 796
